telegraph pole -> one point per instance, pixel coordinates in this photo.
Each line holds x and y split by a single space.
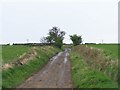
102 41
27 40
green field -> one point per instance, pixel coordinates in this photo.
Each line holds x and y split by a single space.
10 53
16 75
95 67
109 49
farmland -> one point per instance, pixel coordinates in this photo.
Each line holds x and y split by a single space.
95 67
109 49
10 53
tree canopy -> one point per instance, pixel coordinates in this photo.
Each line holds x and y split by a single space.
76 39
55 36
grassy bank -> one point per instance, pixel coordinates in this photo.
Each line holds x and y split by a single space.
96 59
18 74
84 76
101 58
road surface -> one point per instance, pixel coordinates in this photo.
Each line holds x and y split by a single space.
56 74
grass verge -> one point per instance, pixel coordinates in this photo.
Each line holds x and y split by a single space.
96 59
84 76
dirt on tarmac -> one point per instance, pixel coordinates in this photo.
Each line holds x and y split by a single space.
56 74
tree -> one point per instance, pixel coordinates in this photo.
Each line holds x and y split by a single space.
49 39
43 40
58 42
55 36
76 39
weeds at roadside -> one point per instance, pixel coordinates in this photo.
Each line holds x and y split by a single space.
97 60
84 76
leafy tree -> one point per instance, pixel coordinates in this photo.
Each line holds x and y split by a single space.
76 39
56 36
58 43
49 39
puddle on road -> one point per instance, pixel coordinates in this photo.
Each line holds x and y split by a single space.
52 61
55 57
65 60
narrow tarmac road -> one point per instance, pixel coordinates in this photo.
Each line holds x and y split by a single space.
56 74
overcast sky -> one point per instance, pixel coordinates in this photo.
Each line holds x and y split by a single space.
25 19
